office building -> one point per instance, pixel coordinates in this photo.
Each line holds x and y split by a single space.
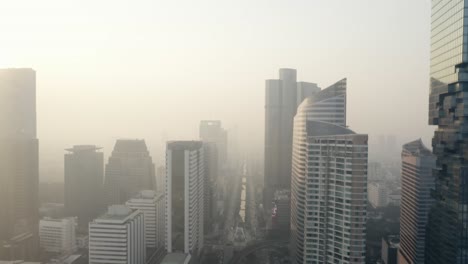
130 170
282 97
416 183
185 178
118 236
212 131
84 179
390 246
329 183
19 165
58 235
152 205
447 233
378 194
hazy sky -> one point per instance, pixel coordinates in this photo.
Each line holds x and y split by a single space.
152 69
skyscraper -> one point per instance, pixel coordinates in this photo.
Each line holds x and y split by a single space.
416 183
447 233
329 182
185 178
118 236
84 179
19 165
211 183
282 97
130 170
212 131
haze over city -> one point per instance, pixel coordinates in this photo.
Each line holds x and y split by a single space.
234 132
152 69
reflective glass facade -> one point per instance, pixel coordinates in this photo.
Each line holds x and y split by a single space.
447 233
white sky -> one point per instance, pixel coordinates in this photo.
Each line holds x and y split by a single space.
152 69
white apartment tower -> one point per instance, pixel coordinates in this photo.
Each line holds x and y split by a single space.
328 183
118 237
185 179
58 235
152 205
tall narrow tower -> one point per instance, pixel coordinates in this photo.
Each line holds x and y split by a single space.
416 183
19 165
282 97
185 179
84 177
447 233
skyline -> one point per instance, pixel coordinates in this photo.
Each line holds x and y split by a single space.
169 54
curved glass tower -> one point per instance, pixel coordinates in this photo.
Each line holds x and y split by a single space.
328 182
447 233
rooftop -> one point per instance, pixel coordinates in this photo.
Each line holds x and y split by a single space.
176 258
81 148
184 145
117 212
417 148
130 145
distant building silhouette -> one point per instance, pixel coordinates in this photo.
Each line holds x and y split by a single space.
329 182
19 165
416 183
282 97
447 233
185 178
377 194
130 170
212 131
84 179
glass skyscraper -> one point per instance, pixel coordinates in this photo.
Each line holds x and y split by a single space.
447 233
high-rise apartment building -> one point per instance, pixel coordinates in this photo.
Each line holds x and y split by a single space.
130 170
416 183
282 97
185 178
58 235
447 233
118 237
19 165
213 131
153 206
329 182
84 179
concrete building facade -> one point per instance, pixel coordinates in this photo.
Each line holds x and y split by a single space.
328 185
185 179
58 235
417 181
118 237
